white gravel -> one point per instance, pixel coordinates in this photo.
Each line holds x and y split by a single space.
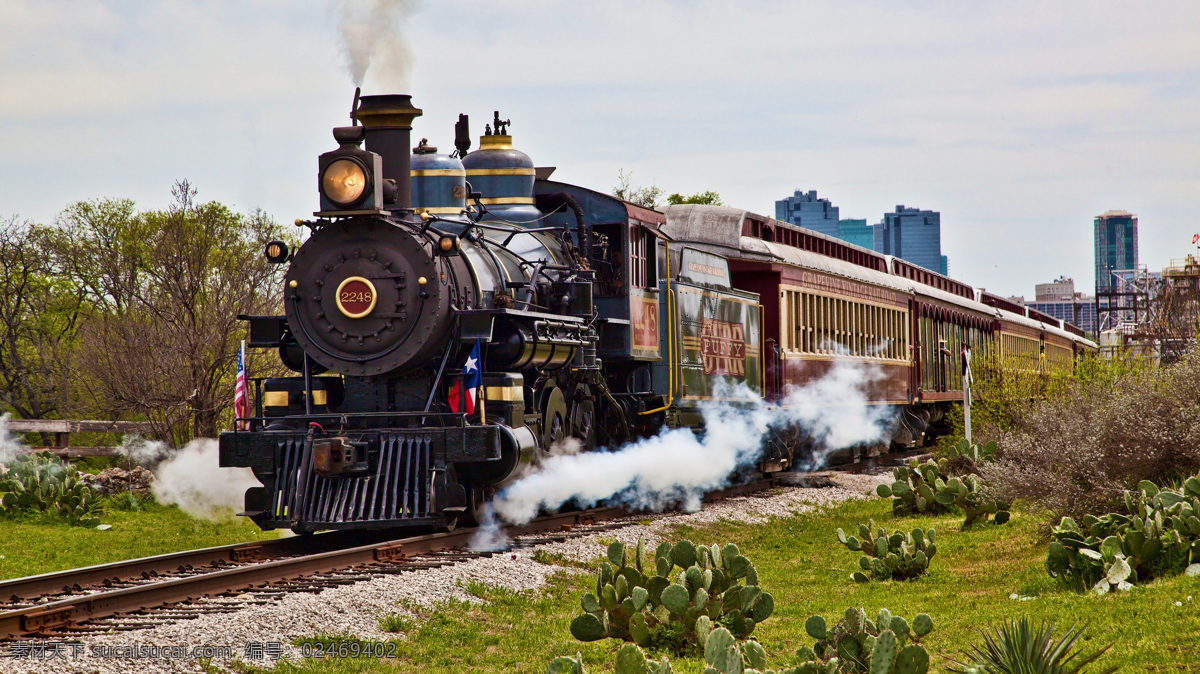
355 609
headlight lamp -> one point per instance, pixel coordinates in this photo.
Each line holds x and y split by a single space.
344 182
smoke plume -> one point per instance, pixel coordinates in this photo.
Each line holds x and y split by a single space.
192 479
10 445
678 466
371 39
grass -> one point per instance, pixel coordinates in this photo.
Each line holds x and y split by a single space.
31 545
801 564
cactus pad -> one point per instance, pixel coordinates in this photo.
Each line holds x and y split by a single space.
922 624
587 627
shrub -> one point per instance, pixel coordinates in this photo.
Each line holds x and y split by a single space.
899 556
1017 648
42 482
645 601
1077 452
1158 533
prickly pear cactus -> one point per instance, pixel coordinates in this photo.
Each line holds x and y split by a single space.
864 646
673 598
898 556
972 499
43 482
566 664
915 489
927 488
1158 532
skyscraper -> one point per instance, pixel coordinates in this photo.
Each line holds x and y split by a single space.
913 235
1116 247
806 210
857 232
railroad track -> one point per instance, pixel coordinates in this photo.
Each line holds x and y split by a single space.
143 593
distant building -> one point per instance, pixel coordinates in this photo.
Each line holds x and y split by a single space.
1081 313
1117 269
1060 289
1058 299
1116 247
857 232
806 210
913 235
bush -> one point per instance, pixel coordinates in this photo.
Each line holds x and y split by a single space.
1016 648
43 483
640 599
1077 452
900 556
1158 533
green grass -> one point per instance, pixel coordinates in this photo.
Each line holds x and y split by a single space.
40 544
800 562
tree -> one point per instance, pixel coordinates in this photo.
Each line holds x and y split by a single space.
646 197
707 198
39 313
167 287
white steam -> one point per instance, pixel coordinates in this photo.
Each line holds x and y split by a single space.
10 445
489 536
141 450
677 466
191 479
372 39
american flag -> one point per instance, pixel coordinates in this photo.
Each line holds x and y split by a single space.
241 403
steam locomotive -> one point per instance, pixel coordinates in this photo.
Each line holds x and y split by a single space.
596 321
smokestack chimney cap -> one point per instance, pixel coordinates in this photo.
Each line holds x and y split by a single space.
386 110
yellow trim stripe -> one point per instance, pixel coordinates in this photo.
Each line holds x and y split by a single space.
506 393
501 172
438 210
280 398
436 172
505 201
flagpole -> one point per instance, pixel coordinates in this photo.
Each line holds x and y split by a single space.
479 397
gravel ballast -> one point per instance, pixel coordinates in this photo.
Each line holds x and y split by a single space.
355 609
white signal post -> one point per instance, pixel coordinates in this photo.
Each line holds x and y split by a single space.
966 354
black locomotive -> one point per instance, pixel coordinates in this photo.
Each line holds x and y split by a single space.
412 261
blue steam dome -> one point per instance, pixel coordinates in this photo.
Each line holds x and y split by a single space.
503 175
439 182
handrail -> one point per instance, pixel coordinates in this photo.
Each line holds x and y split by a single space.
670 340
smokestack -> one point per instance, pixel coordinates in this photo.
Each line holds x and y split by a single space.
388 122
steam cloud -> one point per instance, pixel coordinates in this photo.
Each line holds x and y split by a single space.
10 445
371 36
679 466
192 479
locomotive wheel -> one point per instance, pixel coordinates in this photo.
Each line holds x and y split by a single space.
554 418
583 423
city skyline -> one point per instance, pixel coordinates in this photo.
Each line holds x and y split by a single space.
1012 121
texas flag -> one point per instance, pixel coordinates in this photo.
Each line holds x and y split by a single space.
471 379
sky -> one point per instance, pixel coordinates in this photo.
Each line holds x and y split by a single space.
1019 121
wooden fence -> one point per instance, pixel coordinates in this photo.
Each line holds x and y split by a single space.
63 428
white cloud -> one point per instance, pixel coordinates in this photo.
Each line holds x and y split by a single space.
1019 121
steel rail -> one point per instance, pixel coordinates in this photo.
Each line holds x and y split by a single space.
42 619
76 580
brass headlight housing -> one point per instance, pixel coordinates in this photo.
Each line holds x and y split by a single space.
344 182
